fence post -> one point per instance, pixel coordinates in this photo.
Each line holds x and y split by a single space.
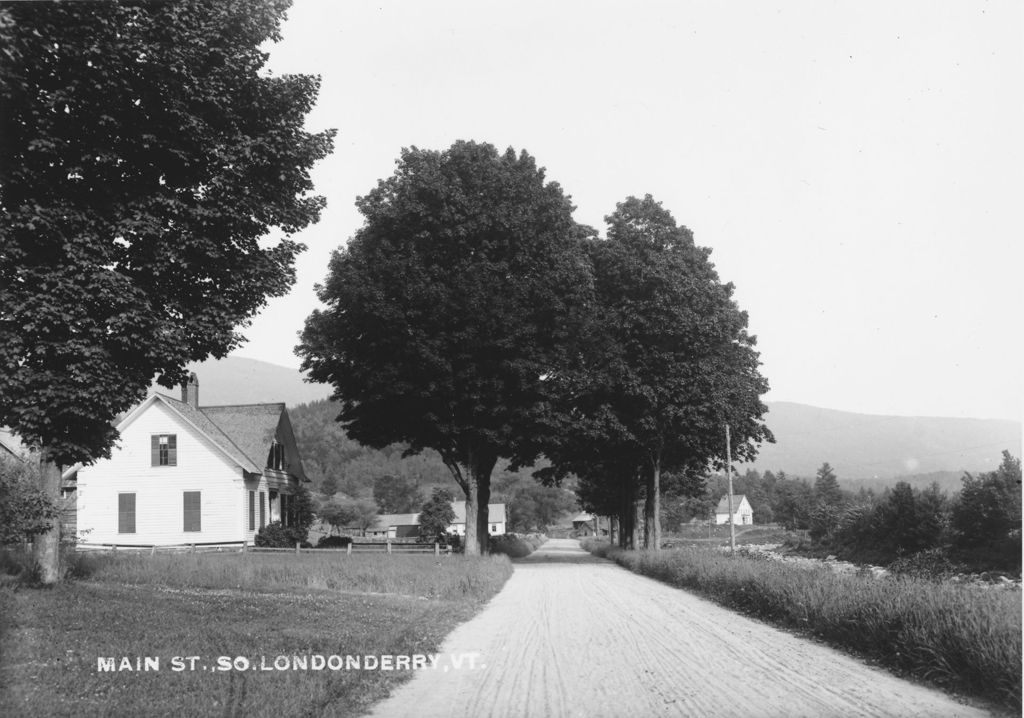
193 548
389 547
113 548
152 550
348 549
296 548
437 549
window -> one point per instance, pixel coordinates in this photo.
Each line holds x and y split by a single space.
252 510
275 460
263 509
284 509
126 513
494 528
164 449
192 510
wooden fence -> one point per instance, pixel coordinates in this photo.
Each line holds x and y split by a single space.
377 547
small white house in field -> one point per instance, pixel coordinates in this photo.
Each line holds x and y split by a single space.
408 525
742 514
189 474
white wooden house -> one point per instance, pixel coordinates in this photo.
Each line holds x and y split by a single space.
742 513
186 474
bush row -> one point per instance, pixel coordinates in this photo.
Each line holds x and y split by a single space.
516 545
960 637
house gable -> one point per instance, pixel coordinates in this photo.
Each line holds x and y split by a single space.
204 482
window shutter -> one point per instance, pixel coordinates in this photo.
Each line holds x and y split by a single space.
252 510
172 450
192 510
126 513
155 450
263 509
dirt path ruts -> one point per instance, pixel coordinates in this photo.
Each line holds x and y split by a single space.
572 635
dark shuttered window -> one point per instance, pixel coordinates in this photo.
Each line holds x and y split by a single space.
252 510
193 511
126 513
164 449
263 509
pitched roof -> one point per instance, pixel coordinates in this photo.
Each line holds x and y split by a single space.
250 427
495 512
583 516
385 521
723 505
205 424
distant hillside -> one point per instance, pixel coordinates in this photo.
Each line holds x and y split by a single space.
864 446
858 446
249 381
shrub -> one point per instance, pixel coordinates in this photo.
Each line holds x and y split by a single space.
516 545
333 541
24 510
274 535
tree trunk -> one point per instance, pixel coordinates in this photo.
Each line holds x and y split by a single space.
483 493
652 509
471 544
473 475
46 546
638 523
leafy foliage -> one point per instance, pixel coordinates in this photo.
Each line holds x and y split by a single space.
987 515
301 513
436 516
24 510
275 535
448 308
346 513
144 159
668 364
396 494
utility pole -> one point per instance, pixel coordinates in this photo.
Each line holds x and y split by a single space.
728 469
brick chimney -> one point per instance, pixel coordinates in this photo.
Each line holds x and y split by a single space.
190 391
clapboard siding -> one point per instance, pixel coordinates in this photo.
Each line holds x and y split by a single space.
159 501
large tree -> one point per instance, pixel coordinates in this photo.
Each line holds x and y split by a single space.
144 157
449 309
669 364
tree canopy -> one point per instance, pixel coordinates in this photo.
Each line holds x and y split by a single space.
448 310
669 364
145 157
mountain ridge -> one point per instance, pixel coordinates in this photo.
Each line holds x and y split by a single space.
858 446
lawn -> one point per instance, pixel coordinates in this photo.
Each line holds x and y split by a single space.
228 610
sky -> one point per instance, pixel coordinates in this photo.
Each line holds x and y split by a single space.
856 167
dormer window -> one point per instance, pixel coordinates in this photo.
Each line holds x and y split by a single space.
164 450
276 458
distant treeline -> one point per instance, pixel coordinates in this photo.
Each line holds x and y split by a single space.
978 527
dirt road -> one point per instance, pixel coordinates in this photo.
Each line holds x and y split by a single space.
571 635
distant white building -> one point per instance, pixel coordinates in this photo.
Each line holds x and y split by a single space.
742 513
408 525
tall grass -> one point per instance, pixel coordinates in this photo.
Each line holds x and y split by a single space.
446 577
960 637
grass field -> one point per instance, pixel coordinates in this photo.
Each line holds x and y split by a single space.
962 638
228 606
